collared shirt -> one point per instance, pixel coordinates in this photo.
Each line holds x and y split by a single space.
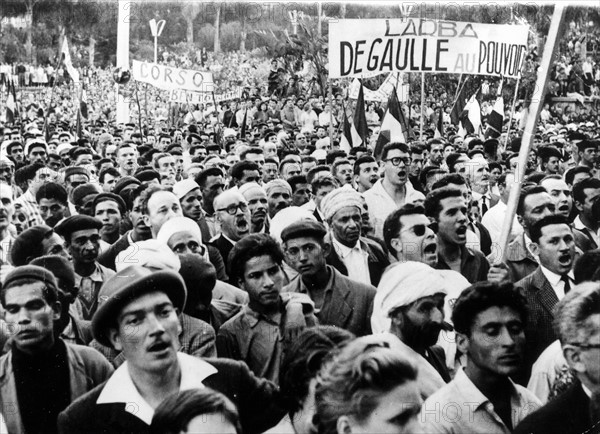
254 338
213 225
5 248
460 407
493 220
355 259
120 387
89 287
556 282
595 236
528 244
381 204
30 208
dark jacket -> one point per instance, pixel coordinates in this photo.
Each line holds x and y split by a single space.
473 265
350 306
224 246
107 258
568 413
539 331
87 369
258 402
377 260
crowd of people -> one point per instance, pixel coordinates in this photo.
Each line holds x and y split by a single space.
234 269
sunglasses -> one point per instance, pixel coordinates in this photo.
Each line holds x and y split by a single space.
419 230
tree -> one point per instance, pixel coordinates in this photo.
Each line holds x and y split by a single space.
217 46
29 6
190 11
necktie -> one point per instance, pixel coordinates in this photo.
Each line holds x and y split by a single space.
484 206
565 279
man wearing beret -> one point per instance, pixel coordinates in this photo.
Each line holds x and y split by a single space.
147 302
109 208
339 301
354 256
82 238
41 375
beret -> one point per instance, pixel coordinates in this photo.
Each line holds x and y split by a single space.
102 197
30 272
183 187
76 170
59 266
271 185
83 190
403 283
585 144
76 223
124 182
29 244
549 151
340 198
147 175
303 228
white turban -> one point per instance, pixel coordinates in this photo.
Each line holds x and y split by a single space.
249 186
402 284
150 254
271 185
176 225
286 217
340 198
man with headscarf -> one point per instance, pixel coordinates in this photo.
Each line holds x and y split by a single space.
410 304
279 195
357 257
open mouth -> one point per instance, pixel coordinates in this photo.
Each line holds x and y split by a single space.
158 347
402 174
430 249
563 208
461 230
565 259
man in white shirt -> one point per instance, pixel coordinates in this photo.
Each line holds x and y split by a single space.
394 190
493 220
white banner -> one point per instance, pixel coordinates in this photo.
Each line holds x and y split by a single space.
383 93
359 47
167 77
203 98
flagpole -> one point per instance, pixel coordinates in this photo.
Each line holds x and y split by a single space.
422 106
330 92
458 93
512 110
536 103
458 89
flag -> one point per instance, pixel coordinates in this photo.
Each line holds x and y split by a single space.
11 104
360 130
78 126
67 61
394 127
470 119
243 127
459 104
346 139
496 118
83 108
439 125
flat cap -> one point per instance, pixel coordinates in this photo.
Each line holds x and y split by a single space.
124 182
30 272
76 170
83 190
303 228
59 266
29 244
102 197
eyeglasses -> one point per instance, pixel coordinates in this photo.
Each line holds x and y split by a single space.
419 230
397 160
232 209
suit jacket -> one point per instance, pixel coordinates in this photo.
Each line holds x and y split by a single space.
568 413
583 240
87 369
258 401
224 246
107 258
377 260
485 240
539 330
519 261
350 306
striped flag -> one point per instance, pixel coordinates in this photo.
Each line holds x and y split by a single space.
11 103
244 126
496 117
346 139
360 130
470 119
394 127
67 61
439 125
459 104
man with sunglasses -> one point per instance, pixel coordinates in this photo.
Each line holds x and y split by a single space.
233 215
394 190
